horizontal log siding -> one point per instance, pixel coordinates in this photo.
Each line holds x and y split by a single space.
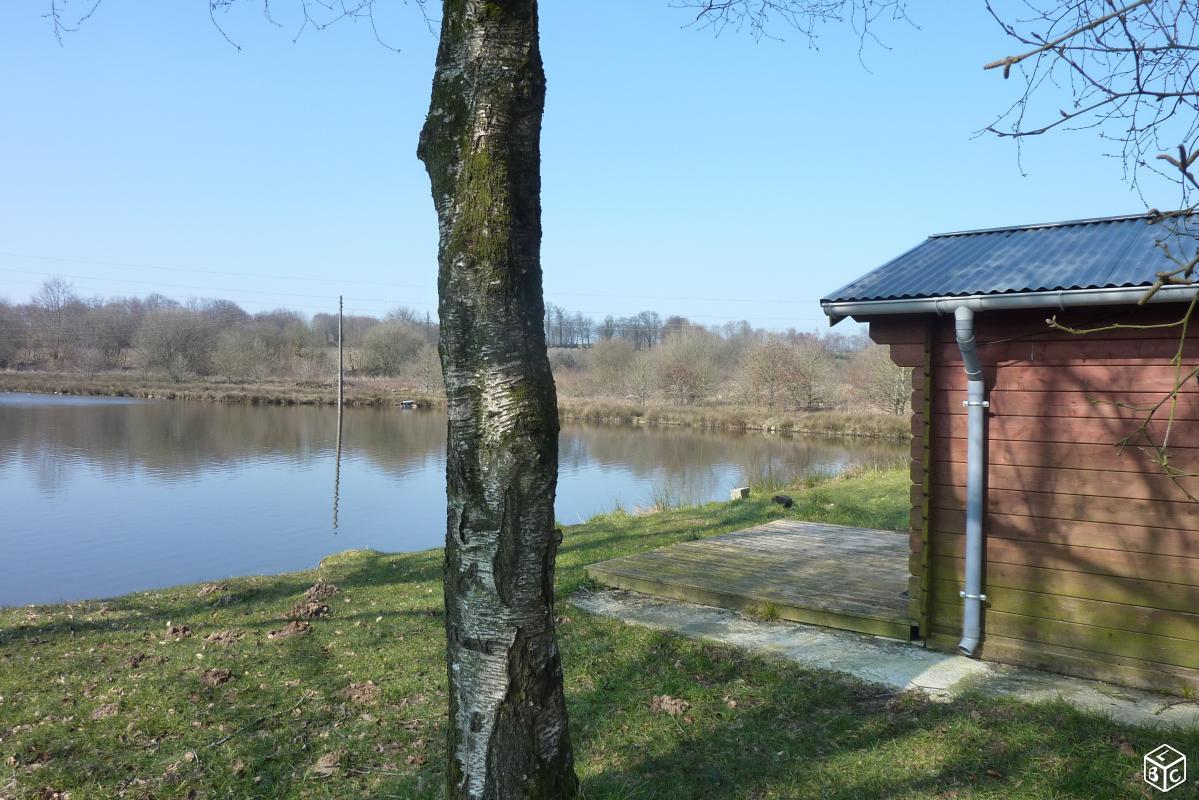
914 349
1092 555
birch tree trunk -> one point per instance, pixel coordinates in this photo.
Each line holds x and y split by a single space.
508 737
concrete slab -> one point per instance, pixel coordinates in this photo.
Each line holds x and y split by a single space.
898 665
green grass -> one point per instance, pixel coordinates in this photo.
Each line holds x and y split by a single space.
756 728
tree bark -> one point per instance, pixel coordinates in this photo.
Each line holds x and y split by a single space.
508 736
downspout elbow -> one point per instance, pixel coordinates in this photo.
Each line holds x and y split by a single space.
964 327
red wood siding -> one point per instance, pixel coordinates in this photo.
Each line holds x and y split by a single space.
1092 555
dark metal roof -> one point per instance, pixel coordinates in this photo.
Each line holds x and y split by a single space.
1080 254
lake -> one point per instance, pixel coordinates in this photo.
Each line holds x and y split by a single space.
103 496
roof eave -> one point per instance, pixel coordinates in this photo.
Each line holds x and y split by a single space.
1065 298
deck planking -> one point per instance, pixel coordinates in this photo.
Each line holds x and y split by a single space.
833 575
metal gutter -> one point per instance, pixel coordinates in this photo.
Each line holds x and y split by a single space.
1058 298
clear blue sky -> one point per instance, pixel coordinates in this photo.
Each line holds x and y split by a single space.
679 167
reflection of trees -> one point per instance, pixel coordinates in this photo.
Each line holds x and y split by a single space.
648 453
689 466
179 440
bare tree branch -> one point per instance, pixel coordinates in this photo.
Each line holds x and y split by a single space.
762 17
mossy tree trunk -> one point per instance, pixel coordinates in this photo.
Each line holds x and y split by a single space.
508 735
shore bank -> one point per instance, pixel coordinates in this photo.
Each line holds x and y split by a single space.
384 393
229 690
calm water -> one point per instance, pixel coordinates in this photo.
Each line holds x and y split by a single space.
103 496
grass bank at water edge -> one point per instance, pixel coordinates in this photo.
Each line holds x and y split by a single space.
383 392
249 688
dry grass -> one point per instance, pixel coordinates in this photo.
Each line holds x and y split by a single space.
364 391
733 417
358 392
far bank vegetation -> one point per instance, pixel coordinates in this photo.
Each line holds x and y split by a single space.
642 369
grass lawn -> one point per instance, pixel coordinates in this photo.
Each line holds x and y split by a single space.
184 693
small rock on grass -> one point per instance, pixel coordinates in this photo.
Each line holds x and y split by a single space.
783 500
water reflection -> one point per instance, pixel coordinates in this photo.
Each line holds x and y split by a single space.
106 497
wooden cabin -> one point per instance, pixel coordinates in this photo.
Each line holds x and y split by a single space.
1089 550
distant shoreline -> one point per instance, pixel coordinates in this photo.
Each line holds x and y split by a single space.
382 393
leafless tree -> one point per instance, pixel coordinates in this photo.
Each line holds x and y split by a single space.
609 362
179 342
878 381
685 365
110 330
425 369
508 734
58 317
1125 71
809 381
13 334
766 368
640 379
250 351
389 347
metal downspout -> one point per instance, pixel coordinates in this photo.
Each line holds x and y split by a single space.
972 597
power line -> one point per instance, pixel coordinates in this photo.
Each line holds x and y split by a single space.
384 304
339 281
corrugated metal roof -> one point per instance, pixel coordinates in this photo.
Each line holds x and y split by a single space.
1081 254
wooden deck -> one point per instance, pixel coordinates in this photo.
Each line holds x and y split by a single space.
848 578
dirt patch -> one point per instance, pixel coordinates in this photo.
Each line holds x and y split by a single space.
137 660
329 764
211 588
223 637
105 711
665 704
308 609
361 692
319 591
294 628
179 631
213 678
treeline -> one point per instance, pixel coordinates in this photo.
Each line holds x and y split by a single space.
693 365
61 331
644 358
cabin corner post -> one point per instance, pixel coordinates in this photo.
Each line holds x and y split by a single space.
922 603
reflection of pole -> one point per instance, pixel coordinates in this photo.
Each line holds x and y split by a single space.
340 405
340 369
337 471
